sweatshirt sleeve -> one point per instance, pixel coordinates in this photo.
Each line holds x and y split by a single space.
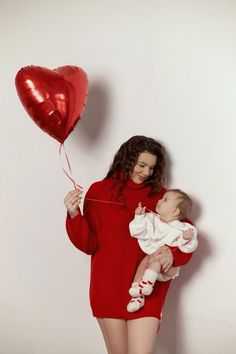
188 246
181 257
82 229
138 227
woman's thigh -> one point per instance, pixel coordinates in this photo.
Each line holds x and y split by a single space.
142 334
115 335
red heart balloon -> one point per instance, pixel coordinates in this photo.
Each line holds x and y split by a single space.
54 99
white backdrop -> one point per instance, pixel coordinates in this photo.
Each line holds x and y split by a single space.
165 69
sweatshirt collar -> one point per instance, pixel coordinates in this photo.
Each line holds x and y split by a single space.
130 183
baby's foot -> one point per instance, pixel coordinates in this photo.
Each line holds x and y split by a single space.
141 288
135 304
147 282
134 291
146 287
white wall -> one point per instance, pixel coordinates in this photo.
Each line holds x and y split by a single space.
159 68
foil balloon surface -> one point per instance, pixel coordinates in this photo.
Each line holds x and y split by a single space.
54 99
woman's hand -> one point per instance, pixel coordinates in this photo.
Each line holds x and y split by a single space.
72 201
166 261
164 256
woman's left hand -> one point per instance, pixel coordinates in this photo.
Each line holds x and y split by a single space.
165 258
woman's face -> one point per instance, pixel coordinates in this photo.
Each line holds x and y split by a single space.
143 168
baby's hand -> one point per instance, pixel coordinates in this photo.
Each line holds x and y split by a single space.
187 234
140 210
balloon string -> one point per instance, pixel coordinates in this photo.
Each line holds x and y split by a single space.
70 176
104 201
77 185
153 212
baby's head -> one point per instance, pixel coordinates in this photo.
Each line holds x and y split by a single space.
174 205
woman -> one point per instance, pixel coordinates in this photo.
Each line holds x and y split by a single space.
136 175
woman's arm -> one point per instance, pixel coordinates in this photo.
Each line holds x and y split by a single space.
170 257
82 229
180 258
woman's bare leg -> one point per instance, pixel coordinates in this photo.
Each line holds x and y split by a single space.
142 334
115 335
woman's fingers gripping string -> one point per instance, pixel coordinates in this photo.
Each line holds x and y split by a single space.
72 201
71 194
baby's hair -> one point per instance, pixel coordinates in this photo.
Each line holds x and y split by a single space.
185 202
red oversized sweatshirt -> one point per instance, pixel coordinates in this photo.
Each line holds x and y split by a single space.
102 231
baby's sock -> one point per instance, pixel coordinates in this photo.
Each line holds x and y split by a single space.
135 304
147 282
134 291
145 286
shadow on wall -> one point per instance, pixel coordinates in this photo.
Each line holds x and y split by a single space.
168 178
92 124
171 336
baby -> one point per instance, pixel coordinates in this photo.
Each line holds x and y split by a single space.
154 231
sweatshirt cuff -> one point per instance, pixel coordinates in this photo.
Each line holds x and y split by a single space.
68 218
139 217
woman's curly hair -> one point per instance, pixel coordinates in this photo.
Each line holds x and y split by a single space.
127 156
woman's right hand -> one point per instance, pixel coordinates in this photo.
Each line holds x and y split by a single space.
72 201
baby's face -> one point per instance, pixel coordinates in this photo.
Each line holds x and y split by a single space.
167 204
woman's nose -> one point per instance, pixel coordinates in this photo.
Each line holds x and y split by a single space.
147 171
